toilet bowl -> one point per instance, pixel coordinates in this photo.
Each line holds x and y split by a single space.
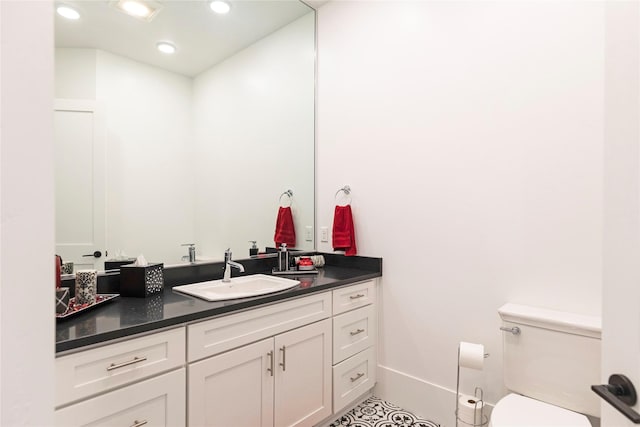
550 359
515 410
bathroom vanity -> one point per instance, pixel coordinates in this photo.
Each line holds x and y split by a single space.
293 358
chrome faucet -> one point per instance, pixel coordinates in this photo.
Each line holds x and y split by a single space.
228 264
192 252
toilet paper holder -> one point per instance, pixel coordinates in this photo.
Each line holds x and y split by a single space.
478 402
473 357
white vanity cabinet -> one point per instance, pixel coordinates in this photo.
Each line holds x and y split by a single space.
155 402
354 339
140 381
282 380
279 381
285 364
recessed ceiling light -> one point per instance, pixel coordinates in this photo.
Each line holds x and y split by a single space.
67 12
145 10
166 47
136 8
219 6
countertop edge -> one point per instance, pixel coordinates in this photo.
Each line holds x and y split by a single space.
79 344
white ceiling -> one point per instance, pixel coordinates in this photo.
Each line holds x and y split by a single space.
202 37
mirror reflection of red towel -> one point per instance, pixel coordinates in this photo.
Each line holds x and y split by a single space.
285 231
344 236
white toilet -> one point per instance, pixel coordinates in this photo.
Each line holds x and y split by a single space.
549 366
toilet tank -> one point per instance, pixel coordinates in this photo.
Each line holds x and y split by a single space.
555 358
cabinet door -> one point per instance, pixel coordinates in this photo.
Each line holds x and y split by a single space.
156 402
303 378
234 389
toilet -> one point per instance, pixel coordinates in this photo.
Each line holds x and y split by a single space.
551 359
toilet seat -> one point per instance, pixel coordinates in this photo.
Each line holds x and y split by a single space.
515 410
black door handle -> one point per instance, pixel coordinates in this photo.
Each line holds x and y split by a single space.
621 394
96 254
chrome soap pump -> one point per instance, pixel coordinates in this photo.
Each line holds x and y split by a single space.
283 258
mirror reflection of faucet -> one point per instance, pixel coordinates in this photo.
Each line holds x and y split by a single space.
228 264
192 252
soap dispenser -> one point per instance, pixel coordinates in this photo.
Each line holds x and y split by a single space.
283 258
253 250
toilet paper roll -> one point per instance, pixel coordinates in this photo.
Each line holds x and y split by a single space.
468 408
471 355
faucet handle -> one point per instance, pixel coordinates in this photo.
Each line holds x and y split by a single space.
188 244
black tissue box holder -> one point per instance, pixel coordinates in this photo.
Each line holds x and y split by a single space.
141 282
112 264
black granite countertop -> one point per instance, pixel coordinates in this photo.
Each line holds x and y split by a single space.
126 316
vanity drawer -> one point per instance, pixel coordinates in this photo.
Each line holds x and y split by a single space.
353 332
354 296
155 402
224 333
353 377
89 372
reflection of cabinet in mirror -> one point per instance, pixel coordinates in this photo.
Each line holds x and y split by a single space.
79 182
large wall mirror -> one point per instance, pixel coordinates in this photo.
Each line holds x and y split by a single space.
157 150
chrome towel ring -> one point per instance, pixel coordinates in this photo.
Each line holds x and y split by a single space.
289 195
347 192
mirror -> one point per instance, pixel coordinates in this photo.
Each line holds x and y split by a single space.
155 150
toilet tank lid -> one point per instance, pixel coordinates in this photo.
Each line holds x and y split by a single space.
572 323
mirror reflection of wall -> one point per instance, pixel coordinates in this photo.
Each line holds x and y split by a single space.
201 159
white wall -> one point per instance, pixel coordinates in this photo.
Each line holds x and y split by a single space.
149 121
150 176
471 134
75 73
262 96
26 231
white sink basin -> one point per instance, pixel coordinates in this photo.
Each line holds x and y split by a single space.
239 287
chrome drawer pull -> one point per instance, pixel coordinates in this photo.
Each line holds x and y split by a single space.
357 296
137 423
356 332
271 358
123 364
284 358
357 377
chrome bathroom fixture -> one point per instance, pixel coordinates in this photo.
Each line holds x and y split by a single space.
289 195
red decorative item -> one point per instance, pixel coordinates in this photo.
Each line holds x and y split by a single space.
285 230
344 236
58 271
305 262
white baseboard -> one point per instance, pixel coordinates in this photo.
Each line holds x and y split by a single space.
424 399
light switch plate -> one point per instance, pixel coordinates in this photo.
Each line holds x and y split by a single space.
308 233
324 234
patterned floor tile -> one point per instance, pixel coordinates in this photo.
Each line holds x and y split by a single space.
375 412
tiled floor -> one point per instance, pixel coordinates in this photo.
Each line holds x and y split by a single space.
375 412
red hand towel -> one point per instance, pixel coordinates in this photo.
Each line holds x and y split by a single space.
285 231
344 236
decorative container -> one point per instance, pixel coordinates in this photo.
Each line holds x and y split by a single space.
86 286
67 267
62 300
141 282
113 264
